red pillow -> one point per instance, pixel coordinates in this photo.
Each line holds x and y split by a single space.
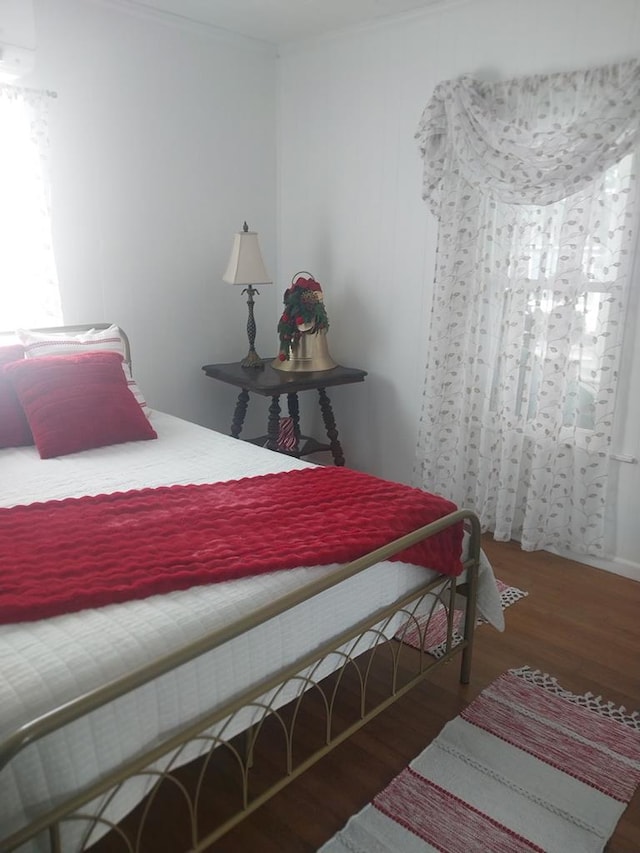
14 429
76 402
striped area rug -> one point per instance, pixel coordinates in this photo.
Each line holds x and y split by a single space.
527 766
431 633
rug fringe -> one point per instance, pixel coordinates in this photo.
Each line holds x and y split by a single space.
585 700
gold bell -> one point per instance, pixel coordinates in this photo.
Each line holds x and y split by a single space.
303 328
309 353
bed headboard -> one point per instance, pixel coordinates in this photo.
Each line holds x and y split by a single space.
9 336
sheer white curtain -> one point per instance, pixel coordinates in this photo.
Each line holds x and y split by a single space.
29 293
533 183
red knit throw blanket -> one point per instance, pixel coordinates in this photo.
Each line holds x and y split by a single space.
62 556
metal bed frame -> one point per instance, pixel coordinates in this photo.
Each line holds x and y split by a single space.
443 589
351 654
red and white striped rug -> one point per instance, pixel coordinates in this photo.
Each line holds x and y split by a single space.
430 631
527 766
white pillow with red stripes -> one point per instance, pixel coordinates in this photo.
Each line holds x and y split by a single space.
94 340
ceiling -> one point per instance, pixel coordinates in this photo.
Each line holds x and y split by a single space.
280 21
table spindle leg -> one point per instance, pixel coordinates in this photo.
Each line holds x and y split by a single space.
273 426
294 413
239 413
330 426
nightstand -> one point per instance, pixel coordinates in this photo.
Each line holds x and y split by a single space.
272 383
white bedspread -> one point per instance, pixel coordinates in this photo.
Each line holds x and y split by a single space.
45 663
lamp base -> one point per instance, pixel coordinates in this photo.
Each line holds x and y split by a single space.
253 360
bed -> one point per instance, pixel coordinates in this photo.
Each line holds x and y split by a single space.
100 703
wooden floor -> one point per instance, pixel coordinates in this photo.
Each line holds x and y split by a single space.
579 624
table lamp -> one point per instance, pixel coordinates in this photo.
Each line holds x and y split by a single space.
247 269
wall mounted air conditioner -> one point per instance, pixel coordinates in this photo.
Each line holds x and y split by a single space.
17 38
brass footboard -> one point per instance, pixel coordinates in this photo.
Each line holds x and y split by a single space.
343 664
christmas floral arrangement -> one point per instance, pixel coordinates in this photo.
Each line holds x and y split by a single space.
304 312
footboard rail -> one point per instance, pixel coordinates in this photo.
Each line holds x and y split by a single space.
308 672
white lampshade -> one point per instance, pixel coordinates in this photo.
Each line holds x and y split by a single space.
245 264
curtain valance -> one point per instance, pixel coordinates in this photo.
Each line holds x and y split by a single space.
532 140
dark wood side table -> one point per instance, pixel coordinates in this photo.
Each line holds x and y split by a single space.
273 383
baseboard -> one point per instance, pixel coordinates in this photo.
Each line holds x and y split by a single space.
615 565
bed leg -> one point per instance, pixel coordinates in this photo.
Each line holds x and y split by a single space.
472 593
55 843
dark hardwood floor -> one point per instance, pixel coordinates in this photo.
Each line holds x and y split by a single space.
579 624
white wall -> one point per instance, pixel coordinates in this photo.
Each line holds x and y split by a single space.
163 141
349 198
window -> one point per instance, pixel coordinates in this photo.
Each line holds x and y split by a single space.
28 283
541 282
